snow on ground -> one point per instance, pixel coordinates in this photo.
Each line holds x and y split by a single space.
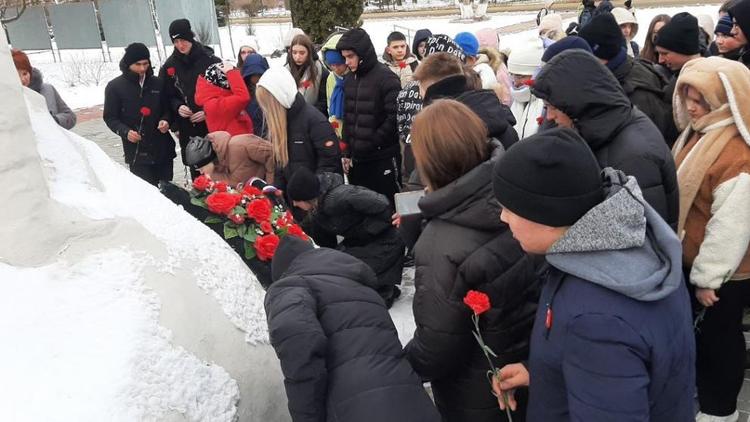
59 322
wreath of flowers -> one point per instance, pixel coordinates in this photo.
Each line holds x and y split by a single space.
247 213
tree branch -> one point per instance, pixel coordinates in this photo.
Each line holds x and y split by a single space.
5 20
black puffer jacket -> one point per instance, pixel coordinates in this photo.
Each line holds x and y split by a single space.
353 212
369 102
463 247
484 102
180 87
645 89
338 347
620 136
123 99
311 143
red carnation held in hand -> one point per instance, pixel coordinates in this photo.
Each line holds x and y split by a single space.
202 183
295 230
221 202
170 71
259 210
145 111
221 186
265 246
478 302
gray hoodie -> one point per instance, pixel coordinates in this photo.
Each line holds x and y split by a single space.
622 244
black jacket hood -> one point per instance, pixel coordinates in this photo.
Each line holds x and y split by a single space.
450 87
419 36
496 115
324 261
580 86
358 41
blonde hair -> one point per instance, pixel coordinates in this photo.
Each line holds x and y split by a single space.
448 140
275 116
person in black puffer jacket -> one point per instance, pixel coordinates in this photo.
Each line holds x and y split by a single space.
149 149
641 82
370 131
465 246
361 216
338 347
621 136
301 137
180 71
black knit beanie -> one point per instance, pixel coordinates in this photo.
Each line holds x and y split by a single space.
135 52
551 178
604 36
289 249
180 29
680 35
740 12
303 185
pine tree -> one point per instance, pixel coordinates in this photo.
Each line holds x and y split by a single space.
318 18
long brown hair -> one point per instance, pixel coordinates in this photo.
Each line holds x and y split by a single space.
275 116
299 71
448 140
648 51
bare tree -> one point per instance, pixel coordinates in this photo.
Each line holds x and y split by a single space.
6 5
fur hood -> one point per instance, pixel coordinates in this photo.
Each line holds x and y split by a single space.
720 81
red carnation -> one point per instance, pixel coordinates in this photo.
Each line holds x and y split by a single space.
266 227
335 124
221 186
237 219
251 190
306 84
295 230
478 302
259 210
145 111
202 183
343 146
265 246
529 82
221 202
170 71
539 120
402 64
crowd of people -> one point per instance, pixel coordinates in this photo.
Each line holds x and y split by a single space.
596 191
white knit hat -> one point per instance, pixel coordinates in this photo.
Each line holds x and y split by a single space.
551 27
280 83
290 34
526 58
707 25
623 16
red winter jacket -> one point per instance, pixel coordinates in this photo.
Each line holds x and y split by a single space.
225 109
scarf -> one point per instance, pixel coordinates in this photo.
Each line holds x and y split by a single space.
521 95
714 131
336 109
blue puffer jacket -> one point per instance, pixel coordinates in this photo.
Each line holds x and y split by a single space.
613 338
255 64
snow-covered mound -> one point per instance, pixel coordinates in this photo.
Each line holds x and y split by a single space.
114 303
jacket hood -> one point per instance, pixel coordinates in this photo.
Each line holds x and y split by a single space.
580 86
622 244
720 82
329 181
419 36
468 201
37 80
450 87
220 144
329 262
196 53
358 41
255 64
408 59
634 75
493 113
329 44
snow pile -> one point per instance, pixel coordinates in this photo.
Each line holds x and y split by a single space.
92 183
59 321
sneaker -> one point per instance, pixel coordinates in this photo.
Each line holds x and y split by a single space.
702 417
